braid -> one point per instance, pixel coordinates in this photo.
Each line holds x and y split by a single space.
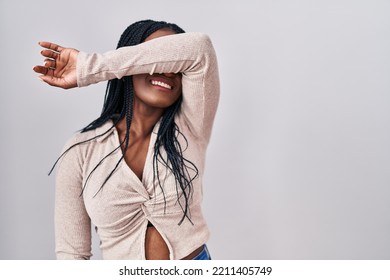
118 104
167 137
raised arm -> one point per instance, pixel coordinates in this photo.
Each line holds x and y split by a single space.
192 54
168 54
189 53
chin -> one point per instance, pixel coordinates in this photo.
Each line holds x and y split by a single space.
158 101
160 104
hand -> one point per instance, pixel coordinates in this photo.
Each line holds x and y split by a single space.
59 67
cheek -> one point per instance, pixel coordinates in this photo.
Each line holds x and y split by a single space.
179 91
139 82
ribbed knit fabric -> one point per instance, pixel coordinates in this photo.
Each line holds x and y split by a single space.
122 209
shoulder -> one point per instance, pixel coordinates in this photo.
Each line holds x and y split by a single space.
82 144
89 137
79 138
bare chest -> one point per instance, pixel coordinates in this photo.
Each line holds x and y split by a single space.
136 153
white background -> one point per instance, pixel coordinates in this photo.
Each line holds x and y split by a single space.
298 166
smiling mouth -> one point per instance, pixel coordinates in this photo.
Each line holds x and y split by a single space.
161 84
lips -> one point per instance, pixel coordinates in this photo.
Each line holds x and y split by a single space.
162 82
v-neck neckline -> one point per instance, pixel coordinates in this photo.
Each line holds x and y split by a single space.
146 167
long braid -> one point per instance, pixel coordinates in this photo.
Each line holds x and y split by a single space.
118 103
167 137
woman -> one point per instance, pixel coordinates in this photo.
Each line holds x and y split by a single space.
136 171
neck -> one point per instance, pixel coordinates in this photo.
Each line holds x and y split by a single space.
143 120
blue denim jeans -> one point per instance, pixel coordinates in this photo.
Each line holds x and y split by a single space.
204 254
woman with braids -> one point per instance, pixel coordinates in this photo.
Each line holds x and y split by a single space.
136 171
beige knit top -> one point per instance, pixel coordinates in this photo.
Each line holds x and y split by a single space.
122 209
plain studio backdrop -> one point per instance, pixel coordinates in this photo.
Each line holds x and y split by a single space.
299 162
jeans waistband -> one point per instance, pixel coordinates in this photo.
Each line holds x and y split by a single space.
203 255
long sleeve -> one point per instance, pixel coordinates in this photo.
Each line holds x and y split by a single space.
192 54
72 223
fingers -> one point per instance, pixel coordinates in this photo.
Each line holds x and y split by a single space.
53 81
41 69
44 71
49 63
50 54
56 59
51 46
52 50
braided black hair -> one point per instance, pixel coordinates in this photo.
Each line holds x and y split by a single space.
118 104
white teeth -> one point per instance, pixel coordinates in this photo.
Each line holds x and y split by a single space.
161 84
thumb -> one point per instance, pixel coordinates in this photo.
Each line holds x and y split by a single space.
53 81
